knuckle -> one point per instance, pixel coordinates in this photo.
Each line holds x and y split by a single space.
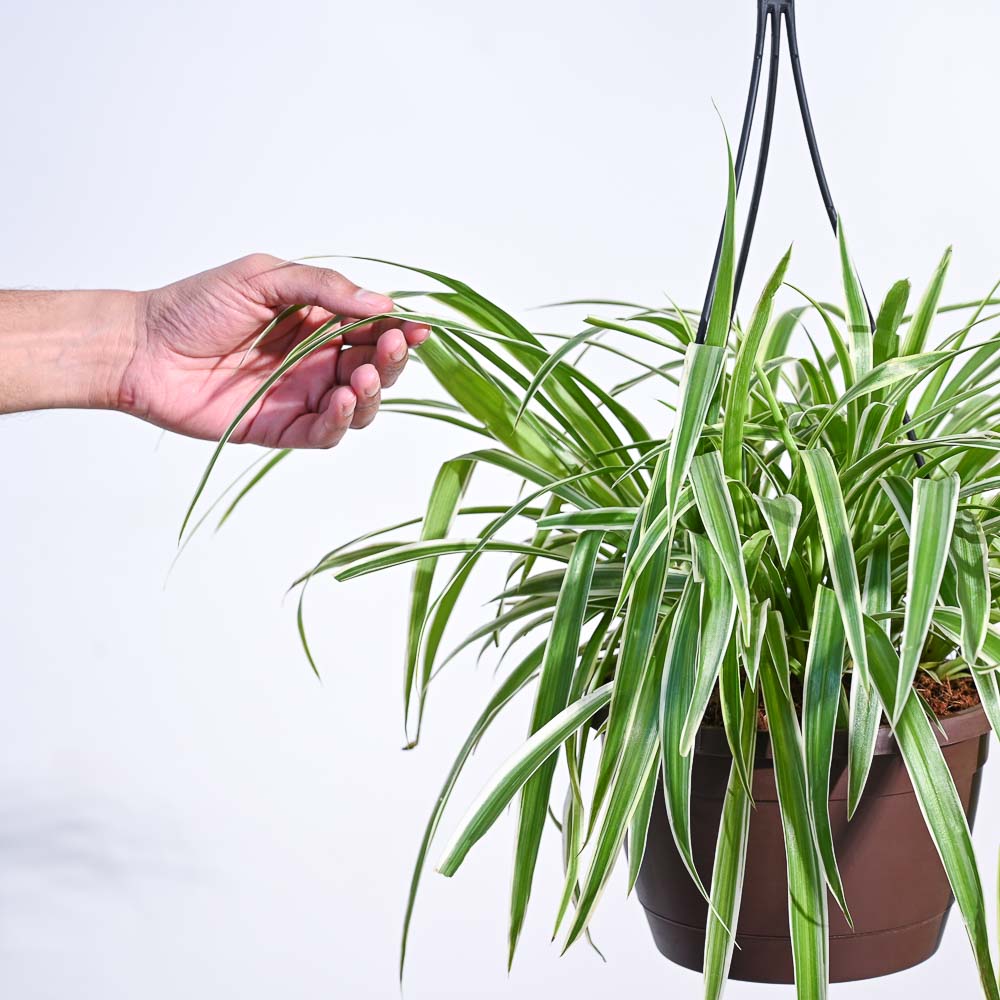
254 263
332 278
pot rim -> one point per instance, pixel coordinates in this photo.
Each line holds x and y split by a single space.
968 724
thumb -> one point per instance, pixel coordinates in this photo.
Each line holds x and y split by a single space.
282 283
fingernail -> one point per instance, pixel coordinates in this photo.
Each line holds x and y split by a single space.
347 408
372 391
398 353
381 302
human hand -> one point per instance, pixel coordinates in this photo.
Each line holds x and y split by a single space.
190 371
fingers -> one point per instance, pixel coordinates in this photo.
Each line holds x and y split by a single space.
388 356
368 391
415 333
325 428
280 283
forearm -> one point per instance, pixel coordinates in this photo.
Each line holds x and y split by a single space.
65 349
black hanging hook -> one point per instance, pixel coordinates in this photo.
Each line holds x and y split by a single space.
769 15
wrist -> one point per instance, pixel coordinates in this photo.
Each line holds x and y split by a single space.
66 349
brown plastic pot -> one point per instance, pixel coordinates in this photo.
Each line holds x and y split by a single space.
895 885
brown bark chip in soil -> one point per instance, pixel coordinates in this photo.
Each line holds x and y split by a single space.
947 697
944 698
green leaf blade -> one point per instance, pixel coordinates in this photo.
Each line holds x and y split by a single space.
550 699
702 370
719 516
857 312
836 532
446 495
675 697
782 515
935 503
730 859
970 555
738 392
865 712
821 699
807 907
717 620
939 803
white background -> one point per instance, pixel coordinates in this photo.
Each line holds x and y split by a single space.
184 810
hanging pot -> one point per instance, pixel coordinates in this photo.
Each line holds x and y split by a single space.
894 882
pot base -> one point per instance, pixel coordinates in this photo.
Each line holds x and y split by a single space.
761 959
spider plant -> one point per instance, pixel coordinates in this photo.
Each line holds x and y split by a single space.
803 517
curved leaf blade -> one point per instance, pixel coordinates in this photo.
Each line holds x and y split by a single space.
515 682
702 369
865 713
857 313
939 803
781 515
808 919
503 786
715 506
916 333
821 699
935 502
970 555
738 392
675 697
552 693
836 532
717 620
730 859
446 494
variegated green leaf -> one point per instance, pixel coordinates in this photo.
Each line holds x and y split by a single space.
518 678
639 759
638 826
931 521
885 342
550 699
702 369
750 652
888 373
504 785
970 555
675 697
718 616
641 620
857 313
865 709
715 506
730 859
722 301
808 919
820 701
782 517
935 791
835 528
916 333
446 494
738 393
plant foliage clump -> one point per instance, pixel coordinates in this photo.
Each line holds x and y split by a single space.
802 515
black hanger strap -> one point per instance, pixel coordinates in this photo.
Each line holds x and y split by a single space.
769 15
